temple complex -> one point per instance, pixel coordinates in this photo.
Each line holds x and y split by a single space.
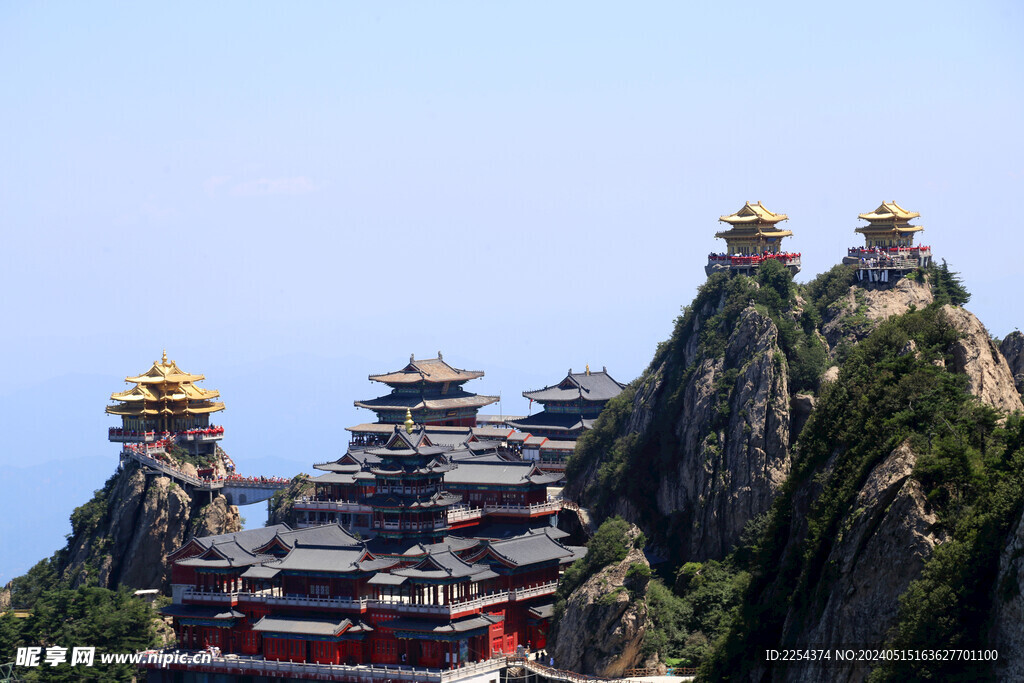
752 238
889 251
571 406
437 558
432 390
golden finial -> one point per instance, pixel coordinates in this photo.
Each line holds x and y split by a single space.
588 369
409 424
165 357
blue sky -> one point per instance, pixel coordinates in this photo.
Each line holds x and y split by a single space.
290 197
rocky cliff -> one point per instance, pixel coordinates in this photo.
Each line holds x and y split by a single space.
123 535
700 443
854 315
282 505
890 519
850 558
606 619
1012 349
872 492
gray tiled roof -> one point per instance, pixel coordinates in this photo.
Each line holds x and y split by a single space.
223 555
326 535
430 400
334 478
453 543
249 538
262 571
444 565
469 457
322 560
312 627
460 626
549 422
504 473
532 549
544 611
597 386
200 612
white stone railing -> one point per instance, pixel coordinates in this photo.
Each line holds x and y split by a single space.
193 595
462 514
533 591
536 508
242 665
331 505
210 596
310 601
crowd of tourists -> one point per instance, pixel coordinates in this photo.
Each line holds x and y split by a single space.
753 258
212 430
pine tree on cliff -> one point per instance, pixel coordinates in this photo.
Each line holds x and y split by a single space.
947 286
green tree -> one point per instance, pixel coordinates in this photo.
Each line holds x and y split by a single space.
947 287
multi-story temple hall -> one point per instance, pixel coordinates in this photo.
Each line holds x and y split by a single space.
165 399
568 409
432 390
889 251
752 238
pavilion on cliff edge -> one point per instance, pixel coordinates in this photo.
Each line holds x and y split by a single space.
167 407
440 557
889 251
752 238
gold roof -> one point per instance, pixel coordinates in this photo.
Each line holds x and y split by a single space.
165 389
889 212
164 371
889 216
753 221
753 214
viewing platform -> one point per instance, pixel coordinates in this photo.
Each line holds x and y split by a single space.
748 265
889 258
205 435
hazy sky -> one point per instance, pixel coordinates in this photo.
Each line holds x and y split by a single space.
319 189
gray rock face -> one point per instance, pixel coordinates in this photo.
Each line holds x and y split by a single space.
1012 349
146 517
882 547
602 630
730 434
988 375
865 305
741 464
1007 634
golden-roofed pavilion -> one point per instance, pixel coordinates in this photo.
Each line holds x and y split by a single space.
753 236
165 398
889 226
753 230
889 251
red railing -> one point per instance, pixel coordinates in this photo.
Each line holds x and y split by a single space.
753 259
